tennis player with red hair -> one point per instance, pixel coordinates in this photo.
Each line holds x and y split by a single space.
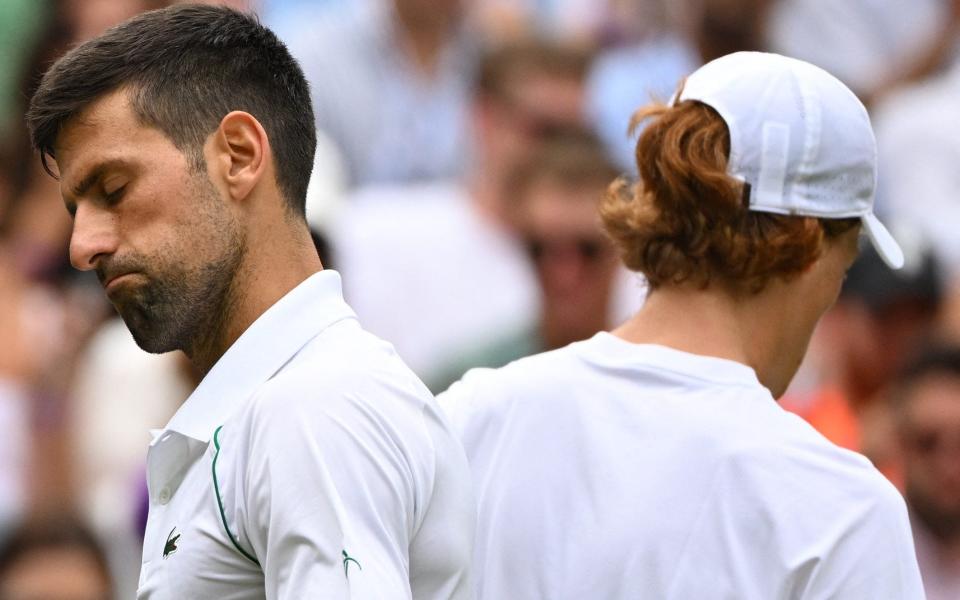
654 461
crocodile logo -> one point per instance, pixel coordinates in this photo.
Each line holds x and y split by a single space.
171 546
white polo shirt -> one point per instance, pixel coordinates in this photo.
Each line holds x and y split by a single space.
615 470
309 463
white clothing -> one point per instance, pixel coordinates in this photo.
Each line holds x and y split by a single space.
861 42
918 145
120 392
615 470
390 120
309 463
941 576
424 269
14 452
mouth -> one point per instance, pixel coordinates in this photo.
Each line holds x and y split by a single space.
116 281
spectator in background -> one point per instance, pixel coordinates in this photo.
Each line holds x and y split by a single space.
927 414
590 22
54 558
878 321
20 23
918 141
554 211
47 313
871 46
435 267
391 83
625 77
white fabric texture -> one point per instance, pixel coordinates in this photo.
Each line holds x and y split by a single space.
308 463
14 451
613 470
424 269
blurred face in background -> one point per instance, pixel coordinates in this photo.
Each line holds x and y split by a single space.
721 27
90 18
429 14
574 261
55 573
535 106
929 430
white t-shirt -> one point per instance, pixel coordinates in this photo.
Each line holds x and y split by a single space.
309 463
614 470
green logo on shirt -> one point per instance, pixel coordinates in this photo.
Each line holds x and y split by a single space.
347 559
171 546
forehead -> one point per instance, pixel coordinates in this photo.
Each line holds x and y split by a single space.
107 130
935 399
555 205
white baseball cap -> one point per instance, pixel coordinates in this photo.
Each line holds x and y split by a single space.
798 137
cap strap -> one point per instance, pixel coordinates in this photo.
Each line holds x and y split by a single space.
773 166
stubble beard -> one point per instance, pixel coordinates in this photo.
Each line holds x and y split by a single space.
941 522
182 309
181 306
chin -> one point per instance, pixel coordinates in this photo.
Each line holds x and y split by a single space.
149 334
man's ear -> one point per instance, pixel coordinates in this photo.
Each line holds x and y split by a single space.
240 153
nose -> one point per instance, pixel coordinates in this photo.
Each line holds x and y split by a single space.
93 237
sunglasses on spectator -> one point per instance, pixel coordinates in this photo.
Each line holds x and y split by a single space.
589 250
931 441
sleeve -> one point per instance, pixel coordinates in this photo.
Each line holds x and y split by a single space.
813 527
459 401
329 497
874 558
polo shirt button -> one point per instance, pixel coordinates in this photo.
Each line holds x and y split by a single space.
164 496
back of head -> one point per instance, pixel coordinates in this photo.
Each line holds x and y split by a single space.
757 162
185 68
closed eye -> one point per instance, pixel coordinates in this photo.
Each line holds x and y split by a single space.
114 197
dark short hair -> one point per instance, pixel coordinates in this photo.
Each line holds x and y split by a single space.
186 67
504 65
933 358
572 157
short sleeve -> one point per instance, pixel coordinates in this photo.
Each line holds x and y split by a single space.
329 495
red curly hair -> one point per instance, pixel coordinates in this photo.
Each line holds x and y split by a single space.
687 220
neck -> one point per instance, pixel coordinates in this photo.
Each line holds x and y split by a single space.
424 38
285 257
711 322
950 550
486 194
556 333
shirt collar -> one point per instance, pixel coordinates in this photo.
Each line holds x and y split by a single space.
260 352
608 349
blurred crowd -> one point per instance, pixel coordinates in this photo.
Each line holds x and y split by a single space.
464 145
